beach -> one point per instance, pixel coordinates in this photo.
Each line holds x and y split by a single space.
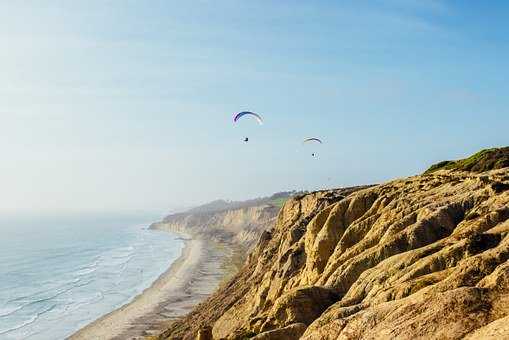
189 280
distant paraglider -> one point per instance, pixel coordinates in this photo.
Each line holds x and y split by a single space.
308 140
312 140
239 115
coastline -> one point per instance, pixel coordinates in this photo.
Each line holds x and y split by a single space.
194 275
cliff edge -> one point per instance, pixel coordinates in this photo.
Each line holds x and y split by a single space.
420 257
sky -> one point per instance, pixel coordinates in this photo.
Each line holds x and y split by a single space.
126 106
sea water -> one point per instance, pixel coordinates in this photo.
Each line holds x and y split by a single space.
59 274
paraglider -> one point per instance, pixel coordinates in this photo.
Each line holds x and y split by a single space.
239 115
312 140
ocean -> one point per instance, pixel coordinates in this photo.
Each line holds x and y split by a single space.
59 274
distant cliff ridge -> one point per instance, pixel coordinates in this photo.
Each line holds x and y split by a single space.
239 222
420 257
276 199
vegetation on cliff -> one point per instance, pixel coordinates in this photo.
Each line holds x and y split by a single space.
276 199
484 160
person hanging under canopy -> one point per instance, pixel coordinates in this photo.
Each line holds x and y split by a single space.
240 115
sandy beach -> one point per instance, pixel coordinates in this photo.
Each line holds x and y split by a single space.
189 280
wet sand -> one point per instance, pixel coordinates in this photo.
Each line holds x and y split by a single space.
189 280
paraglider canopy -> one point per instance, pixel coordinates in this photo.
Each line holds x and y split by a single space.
256 116
307 140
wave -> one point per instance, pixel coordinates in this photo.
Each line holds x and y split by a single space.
9 311
73 306
49 298
86 303
123 252
118 267
87 269
57 286
41 292
29 321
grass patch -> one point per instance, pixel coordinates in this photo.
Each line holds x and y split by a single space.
439 166
484 160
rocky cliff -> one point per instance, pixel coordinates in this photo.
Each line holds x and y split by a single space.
421 257
237 222
241 226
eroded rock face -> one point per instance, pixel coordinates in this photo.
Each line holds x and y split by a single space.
293 331
421 257
205 333
240 226
299 305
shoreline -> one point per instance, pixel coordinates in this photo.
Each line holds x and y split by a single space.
194 275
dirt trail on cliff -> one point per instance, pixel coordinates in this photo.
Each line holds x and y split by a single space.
420 257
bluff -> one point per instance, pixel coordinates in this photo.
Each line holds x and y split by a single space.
240 223
424 257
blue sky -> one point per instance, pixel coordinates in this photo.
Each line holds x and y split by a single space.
127 105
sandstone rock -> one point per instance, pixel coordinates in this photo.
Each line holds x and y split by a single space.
424 257
241 226
291 332
205 333
300 305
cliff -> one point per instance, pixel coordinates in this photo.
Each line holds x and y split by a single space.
420 257
240 223
241 226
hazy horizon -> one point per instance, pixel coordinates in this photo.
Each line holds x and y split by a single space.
127 106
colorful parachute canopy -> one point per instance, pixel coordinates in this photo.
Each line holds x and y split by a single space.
247 113
308 140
